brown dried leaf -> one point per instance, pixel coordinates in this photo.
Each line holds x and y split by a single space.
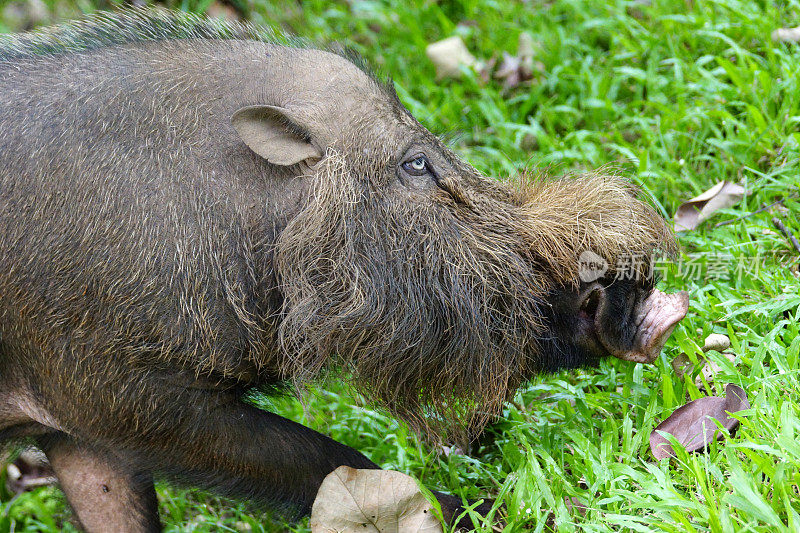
29 471
683 365
514 70
384 501
448 55
575 506
691 424
694 212
715 342
451 450
509 71
218 10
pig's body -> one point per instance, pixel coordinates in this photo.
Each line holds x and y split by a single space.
158 260
182 216
179 212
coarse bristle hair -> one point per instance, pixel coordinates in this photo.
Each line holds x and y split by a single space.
128 26
147 24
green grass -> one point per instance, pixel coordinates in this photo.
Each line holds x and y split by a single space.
678 96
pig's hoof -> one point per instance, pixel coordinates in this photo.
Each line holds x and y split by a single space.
452 508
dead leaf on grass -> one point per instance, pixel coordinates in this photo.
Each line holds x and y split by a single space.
715 342
29 471
683 365
575 506
218 10
786 35
693 424
448 56
514 70
697 210
371 501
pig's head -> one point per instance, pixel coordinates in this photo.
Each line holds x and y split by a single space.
443 290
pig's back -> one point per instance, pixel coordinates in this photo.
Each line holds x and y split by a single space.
126 200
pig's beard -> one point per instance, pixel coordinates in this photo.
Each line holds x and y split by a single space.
434 323
435 306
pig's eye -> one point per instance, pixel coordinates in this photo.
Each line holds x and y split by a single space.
418 166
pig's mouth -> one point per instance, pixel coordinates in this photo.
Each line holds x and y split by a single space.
637 334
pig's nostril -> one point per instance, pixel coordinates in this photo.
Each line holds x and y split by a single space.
591 303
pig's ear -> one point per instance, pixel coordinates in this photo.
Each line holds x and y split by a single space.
271 132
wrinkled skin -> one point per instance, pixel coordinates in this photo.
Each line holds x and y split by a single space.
185 220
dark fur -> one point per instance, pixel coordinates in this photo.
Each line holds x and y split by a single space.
153 269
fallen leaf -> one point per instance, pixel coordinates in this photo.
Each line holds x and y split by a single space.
371 501
711 369
25 15
694 212
29 471
693 424
526 49
218 10
243 527
715 342
575 505
787 35
451 450
683 365
448 56
509 71
514 70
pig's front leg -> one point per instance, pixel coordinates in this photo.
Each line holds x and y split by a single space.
105 490
200 438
